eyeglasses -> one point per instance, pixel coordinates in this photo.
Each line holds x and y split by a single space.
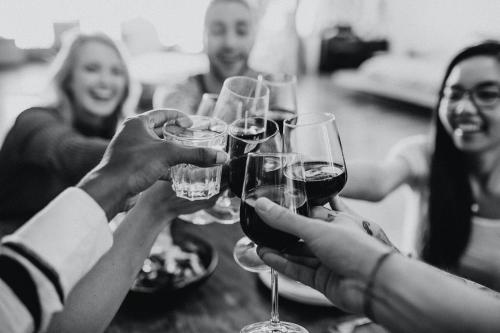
481 95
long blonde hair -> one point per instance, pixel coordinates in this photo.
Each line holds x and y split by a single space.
63 65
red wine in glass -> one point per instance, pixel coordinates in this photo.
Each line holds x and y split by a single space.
251 137
324 180
279 115
257 230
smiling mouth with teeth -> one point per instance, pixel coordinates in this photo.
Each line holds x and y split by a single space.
102 95
468 128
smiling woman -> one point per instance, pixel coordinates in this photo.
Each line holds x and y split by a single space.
50 148
454 172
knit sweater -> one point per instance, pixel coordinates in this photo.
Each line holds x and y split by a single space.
41 156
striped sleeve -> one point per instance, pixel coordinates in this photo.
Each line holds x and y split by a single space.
42 261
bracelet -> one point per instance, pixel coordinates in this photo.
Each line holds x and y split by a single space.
367 304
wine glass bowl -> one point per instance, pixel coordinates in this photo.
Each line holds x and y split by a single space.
316 137
249 135
242 97
282 97
272 176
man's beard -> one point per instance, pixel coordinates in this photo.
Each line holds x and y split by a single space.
221 76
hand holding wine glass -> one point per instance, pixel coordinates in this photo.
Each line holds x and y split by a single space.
280 178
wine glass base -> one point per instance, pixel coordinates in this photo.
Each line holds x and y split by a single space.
245 255
200 218
269 327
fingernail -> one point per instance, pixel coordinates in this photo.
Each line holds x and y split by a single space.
263 204
221 157
262 251
184 122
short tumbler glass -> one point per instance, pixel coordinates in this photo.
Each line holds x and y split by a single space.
189 181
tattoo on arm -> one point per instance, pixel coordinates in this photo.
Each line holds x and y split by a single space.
366 226
378 234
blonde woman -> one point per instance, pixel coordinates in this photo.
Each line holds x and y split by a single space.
51 147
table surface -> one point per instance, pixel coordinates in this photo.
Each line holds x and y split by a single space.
230 299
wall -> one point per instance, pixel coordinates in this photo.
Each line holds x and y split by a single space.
440 26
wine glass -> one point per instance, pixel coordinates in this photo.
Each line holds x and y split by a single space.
280 178
240 97
316 137
249 135
282 97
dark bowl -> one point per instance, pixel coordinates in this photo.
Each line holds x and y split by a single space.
165 286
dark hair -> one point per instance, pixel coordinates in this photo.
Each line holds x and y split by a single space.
450 192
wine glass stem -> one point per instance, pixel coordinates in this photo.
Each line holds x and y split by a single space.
275 318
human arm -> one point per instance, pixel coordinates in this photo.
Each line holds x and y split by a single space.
407 163
373 181
406 295
70 235
137 157
42 138
42 261
94 301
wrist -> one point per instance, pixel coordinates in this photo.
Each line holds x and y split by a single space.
105 189
372 280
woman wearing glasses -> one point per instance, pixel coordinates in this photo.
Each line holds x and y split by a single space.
454 173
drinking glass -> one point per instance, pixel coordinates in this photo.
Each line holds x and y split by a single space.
316 137
240 97
280 178
226 209
282 97
189 181
248 136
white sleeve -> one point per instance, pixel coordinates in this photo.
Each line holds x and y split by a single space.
415 151
50 254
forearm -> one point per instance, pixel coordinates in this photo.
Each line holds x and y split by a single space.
107 189
365 181
52 252
95 300
410 296
373 181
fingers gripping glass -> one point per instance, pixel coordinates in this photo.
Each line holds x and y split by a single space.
482 95
280 178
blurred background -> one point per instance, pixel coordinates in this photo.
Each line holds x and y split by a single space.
376 64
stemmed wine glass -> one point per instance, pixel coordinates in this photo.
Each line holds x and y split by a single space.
249 135
316 137
280 178
240 97
282 97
